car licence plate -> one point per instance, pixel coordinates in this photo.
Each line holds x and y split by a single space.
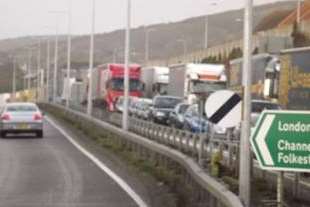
23 126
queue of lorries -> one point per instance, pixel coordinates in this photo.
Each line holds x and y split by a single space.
164 95
175 94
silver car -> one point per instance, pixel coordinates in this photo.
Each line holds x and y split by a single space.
21 118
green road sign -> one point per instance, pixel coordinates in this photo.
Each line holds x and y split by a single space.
281 140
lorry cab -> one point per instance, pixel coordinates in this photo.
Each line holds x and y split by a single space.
191 81
111 83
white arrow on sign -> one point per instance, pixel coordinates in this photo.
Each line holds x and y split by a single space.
261 139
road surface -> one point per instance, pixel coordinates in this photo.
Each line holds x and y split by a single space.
51 172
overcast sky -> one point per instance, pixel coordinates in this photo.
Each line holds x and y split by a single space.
32 17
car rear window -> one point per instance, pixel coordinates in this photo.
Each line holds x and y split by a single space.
21 108
166 102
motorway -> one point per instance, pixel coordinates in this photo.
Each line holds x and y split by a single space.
52 172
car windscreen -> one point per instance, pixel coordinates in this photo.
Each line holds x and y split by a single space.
259 107
206 86
21 108
183 108
118 84
193 111
166 102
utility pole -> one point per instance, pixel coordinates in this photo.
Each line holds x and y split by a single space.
184 44
29 68
115 55
14 80
127 62
55 64
91 62
206 32
245 153
38 70
147 44
206 37
48 66
68 92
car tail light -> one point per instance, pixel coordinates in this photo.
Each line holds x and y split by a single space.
5 117
37 117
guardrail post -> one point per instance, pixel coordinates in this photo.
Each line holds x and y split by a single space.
237 162
184 135
160 134
201 157
211 144
195 146
296 185
230 147
176 133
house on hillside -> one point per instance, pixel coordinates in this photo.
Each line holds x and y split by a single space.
303 16
284 26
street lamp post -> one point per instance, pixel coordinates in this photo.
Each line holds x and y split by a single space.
147 44
127 61
91 62
29 68
55 64
14 79
48 70
245 153
206 32
55 88
68 92
38 69
184 43
115 55
206 37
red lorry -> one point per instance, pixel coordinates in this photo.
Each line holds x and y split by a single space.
108 83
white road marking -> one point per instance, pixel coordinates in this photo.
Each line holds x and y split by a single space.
102 166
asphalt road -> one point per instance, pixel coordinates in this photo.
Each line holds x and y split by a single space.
51 172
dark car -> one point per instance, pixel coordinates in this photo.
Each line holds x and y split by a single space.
193 122
258 106
176 118
162 107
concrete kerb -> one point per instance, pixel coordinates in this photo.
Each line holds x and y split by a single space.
218 190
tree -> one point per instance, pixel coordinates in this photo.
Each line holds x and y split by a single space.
299 38
219 58
235 53
255 51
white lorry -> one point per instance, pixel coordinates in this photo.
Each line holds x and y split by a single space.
155 81
4 99
192 80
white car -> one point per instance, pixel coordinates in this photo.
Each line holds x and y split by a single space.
143 108
21 118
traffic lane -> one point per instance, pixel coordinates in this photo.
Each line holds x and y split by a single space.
52 172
